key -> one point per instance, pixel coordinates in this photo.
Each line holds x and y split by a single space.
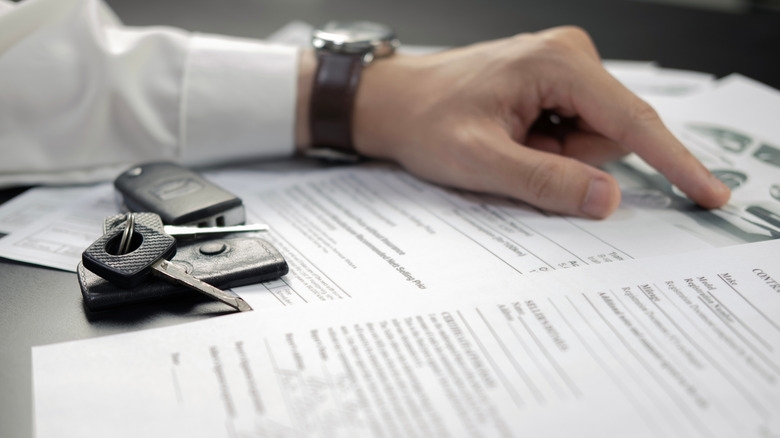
179 195
148 252
178 230
154 220
225 262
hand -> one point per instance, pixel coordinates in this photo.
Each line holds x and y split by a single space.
467 118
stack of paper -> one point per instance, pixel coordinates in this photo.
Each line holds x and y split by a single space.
413 310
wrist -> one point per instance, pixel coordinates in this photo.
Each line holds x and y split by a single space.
382 107
334 74
307 65
370 105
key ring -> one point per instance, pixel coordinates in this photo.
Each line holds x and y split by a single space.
127 235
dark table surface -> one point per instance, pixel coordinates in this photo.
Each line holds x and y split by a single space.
40 306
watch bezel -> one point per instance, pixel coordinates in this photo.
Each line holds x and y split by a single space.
381 44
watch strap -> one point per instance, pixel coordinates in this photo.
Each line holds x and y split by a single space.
333 95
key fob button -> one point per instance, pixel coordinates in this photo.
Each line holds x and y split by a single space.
213 248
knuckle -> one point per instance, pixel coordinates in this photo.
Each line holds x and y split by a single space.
569 41
639 115
570 36
642 112
556 44
575 33
464 133
543 180
521 38
466 152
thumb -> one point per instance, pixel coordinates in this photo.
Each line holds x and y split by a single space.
553 182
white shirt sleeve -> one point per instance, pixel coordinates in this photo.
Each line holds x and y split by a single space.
83 97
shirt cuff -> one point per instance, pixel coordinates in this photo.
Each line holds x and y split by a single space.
238 100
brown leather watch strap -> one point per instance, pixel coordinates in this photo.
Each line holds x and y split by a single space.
332 99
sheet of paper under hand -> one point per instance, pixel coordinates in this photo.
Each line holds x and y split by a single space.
676 346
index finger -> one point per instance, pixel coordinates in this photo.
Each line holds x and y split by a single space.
618 114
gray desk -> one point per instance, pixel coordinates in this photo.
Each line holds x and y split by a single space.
41 306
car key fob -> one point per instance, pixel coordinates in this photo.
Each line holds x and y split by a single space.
179 195
148 245
223 263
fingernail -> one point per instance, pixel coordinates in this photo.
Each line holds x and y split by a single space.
598 199
718 184
723 192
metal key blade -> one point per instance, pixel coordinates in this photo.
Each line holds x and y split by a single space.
176 230
175 273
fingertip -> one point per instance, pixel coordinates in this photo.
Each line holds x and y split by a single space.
703 188
717 194
601 198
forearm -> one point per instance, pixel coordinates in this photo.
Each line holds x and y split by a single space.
83 96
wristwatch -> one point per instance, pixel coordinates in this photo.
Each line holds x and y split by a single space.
343 49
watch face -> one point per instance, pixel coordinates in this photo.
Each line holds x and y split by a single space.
355 37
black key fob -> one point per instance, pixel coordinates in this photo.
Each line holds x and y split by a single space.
223 263
179 195
148 245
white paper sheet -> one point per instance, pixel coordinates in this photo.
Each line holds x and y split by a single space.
733 130
342 229
656 84
35 203
680 346
58 237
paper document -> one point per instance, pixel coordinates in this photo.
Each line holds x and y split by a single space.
680 346
68 226
733 131
343 229
35 203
